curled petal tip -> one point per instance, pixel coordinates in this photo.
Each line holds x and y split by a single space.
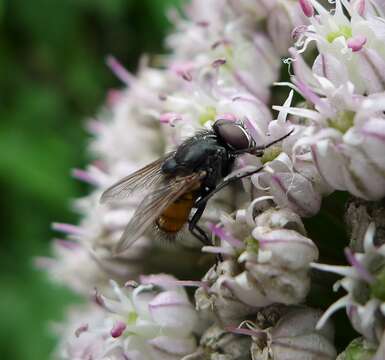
357 43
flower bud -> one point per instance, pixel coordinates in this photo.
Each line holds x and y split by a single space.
219 344
289 188
284 17
294 338
227 296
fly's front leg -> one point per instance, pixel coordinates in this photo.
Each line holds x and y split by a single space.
225 183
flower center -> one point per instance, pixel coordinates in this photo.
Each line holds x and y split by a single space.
343 122
209 114
132 316
270 154
344 30
252 245
378 287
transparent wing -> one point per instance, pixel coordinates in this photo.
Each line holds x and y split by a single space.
153 206
146 177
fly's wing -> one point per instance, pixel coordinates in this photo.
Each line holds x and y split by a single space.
146 177
153 206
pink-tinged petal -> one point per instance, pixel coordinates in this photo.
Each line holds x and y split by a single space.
296 192
329 162
224 235
186 76
218 63
68 228
118 329
371 69
95 127
84 176
98 298
371 139
359 267
67 244
308 93
165 281
253 129
226 116
362 177
114 97
331 68
300 321
280 285
44 263
171 346
302 71
298 31
170 118
380 353
81 329
307 8
340 303
172 309
357 43
307 346
360 7
347 271
120 72
141 298
168 282
244 288
289 248
218 250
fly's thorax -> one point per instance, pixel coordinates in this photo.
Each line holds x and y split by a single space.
169 166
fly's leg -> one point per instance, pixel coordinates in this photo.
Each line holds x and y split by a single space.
198 232
195 229
225 183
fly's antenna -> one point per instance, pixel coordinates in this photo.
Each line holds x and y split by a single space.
258 149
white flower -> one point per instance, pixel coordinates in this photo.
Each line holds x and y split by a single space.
294 337
350 48
266 262
343 139
141 322
285 16
72 265
288 187
364 283
218 344
225 30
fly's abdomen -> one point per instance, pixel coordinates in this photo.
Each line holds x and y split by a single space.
176 215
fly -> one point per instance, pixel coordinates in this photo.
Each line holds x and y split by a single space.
183 180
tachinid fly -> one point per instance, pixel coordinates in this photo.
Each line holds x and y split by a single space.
183 180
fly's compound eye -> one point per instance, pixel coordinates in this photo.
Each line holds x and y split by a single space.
234 135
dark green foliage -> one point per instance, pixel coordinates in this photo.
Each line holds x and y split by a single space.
52 77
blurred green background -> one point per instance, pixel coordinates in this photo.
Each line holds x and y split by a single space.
52 78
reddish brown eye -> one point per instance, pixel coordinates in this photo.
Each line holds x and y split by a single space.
232 134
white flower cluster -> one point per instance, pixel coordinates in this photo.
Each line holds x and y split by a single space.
224 60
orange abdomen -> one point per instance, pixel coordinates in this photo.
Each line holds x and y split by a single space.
176 215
